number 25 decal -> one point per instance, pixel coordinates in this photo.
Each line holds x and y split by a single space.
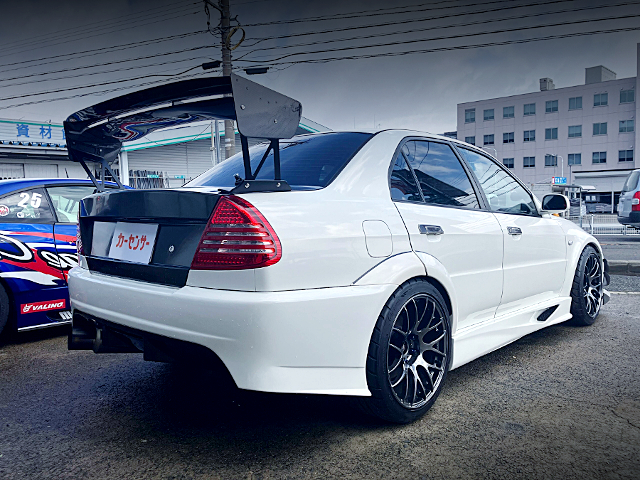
36 199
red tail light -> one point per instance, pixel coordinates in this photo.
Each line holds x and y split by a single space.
635 202
237 237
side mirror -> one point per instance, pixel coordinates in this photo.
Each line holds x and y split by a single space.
555 203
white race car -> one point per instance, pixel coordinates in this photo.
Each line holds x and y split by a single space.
395 257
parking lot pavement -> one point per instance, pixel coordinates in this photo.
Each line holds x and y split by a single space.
560 403
620 247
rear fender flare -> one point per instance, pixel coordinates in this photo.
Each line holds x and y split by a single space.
438 272
394 270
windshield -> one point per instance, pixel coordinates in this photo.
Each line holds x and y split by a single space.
632 181
310 161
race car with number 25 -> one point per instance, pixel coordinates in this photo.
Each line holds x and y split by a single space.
38 223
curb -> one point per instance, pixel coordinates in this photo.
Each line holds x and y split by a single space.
624 267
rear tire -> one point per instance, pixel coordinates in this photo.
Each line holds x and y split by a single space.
409 354
5 313
586 289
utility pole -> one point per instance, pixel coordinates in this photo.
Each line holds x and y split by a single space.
229 128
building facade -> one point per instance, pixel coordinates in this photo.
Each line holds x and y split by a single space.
585 133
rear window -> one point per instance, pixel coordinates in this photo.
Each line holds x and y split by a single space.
632 181
310 161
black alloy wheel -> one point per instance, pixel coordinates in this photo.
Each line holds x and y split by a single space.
587 288
409 353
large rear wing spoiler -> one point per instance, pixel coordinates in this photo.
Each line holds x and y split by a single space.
96 133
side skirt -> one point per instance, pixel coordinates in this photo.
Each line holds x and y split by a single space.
478 340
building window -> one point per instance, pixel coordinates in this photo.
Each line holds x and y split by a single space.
575 159
488 114
508 162
550 133
508 137
575 131
488 139
599 157
529 135
600 99
529 109
626 126
550 160
625 155
471 140
529 162
551 106
470 115
627 96
508 112
575 103
600 128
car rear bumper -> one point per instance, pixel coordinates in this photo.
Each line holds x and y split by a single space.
301 341
632 220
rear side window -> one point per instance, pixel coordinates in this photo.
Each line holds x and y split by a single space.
441 177
632 181
311 161
66 200
28 206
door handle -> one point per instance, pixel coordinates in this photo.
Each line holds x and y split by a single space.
514 230
430 229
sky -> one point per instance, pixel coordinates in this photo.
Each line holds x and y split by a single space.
52 50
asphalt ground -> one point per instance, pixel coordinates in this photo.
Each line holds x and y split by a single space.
620 247
560 403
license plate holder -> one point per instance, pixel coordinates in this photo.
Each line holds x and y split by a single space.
133 242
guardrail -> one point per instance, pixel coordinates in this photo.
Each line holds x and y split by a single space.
603 225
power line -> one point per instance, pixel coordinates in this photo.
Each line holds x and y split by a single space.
407 21
358 57
381 11
68 89
437 27
100 92
111 63
103 72
444 37
86 28
114 48
458 47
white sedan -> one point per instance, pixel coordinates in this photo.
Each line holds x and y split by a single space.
396 257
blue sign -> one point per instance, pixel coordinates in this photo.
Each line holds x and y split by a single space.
559 180
178 176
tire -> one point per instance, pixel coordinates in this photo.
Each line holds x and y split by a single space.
409 354
4 312
586 289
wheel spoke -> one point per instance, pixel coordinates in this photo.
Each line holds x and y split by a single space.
396 348
404 374
398 363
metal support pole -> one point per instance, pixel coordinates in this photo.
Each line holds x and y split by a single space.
218 149
124 167
591 223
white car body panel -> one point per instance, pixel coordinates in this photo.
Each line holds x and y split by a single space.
303 325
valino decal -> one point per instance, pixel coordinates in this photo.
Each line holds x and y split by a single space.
43 306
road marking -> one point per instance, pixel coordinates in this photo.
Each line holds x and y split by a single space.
625 293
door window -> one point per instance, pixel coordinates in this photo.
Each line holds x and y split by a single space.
66 200
503 192
27 206
441 177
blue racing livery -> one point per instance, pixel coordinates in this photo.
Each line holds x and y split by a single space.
38 222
